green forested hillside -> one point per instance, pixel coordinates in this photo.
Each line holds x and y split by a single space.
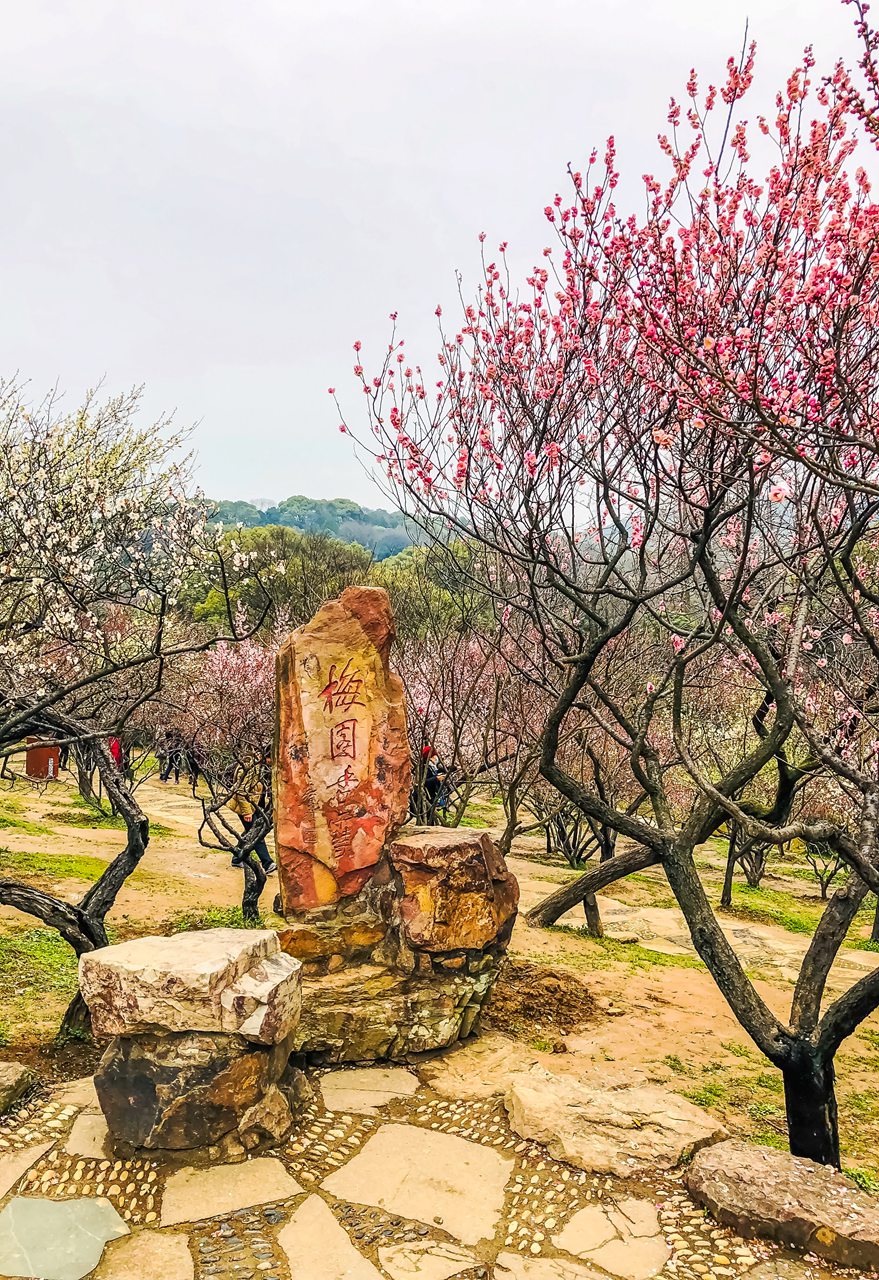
384 533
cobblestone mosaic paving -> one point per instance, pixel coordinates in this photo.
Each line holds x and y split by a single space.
324 1141
132 1186
39 1119
541 1197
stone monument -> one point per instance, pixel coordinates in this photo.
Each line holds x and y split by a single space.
342 764
202 1028
401 937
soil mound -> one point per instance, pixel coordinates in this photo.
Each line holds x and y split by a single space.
532 999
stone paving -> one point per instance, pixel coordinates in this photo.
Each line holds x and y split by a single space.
395 1182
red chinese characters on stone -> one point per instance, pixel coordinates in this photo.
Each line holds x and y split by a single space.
345 812
342 758
343 740
342 691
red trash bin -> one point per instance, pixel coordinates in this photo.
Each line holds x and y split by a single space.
41 760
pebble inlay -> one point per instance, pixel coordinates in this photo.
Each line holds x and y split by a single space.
36 1120
324 1141
131 1185
242 1247
702 1249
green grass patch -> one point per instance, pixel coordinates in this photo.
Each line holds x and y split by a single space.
769 1138
38 979
541 1044
481 813
764 1111
871 1037
862 1103
866 1180
477 820
596 952
712 1093
35 961
210 918
806 874
772 906
677 1065
23 825
92 820
12 818
770 1080
64 866
796 915
53 866
739 1050
159 829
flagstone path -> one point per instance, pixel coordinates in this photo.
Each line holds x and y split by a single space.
385 1179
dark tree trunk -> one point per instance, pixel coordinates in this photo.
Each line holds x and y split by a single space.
254 883
569 895
874 932
726 895
754 864
810 1103
82 924
77 1022
594 927
85 776
607 843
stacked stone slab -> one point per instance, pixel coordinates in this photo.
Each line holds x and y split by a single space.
202 1026
401 937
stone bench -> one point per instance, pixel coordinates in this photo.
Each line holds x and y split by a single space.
201 1027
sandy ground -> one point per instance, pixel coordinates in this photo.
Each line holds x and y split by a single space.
176 874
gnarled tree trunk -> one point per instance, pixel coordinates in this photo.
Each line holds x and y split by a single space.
568 895
594 927
731 858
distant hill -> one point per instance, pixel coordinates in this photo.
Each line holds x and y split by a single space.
384 533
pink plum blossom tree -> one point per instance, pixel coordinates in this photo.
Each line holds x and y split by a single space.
664 436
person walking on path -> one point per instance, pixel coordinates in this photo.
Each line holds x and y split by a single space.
172 758
432 791
252 799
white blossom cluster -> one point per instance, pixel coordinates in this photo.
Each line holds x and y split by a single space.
97 539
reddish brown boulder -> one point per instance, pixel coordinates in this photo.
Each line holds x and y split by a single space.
414 976
758 1191
401 939
185 1090
458 893
342 756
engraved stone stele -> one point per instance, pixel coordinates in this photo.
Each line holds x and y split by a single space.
202 1028
342 761
401 935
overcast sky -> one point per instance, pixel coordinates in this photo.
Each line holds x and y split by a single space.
216 197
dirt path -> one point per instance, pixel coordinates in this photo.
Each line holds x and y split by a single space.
176 874
766 950
662 1018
